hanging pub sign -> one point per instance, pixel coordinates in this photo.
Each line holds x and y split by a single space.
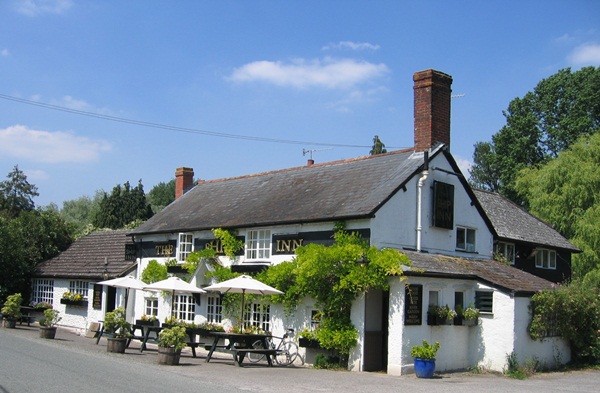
130 251
413 305
443 205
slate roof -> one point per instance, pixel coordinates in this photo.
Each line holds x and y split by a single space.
496 274
85 257
341 190
511 222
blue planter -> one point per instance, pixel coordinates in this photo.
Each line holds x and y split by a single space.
424 368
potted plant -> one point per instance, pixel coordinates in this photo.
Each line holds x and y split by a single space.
117 326
424 358
440 315
11 311
48 323
170 343
470 316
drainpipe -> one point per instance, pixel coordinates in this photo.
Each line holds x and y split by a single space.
424 175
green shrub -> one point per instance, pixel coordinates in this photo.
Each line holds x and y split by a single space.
425 351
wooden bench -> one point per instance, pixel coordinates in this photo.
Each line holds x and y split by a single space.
240 353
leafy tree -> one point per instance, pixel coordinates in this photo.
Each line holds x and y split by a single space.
538 126
32 237
564 193
378 146
122 206
161 195
80 212
16 194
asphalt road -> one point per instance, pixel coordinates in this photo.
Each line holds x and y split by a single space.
73 363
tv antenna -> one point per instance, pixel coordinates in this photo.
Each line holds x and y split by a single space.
311 151
457 96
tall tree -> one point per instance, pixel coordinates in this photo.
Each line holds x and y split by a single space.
564 192
161 195
123 206
538 126
16 194
25 241
80 212
378 146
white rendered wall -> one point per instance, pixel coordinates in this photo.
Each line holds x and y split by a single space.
74 316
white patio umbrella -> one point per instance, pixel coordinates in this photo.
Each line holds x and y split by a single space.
127 282
244 284
173 284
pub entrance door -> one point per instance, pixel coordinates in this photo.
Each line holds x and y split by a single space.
376 331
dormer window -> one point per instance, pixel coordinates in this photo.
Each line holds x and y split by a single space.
258 244
545 259
506 251
465 239
185 246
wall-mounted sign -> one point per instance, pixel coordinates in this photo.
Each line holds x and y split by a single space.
287 244
97 297
130 251
159 249
413 305
216 245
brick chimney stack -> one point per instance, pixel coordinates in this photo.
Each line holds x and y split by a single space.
432 109
184 178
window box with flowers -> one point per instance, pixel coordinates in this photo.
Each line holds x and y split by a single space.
147 320
440 315
308 339
73 299
205 329
466 317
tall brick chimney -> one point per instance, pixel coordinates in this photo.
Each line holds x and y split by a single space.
184 178
432 109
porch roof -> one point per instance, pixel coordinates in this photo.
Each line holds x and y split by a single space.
496 274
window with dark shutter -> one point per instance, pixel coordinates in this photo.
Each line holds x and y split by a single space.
484 301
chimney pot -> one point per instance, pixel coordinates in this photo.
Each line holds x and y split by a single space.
432 94
184 179
310 162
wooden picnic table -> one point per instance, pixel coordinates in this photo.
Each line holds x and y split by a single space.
240 345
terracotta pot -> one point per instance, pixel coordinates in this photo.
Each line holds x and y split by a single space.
47 332
169 356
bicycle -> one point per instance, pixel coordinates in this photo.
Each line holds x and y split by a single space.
287 350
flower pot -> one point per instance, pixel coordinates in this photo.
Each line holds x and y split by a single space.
308 343
116 345
424 368
69 302
169 356
10 323
140 322
48 332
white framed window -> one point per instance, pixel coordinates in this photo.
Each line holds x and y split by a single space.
184 308
545 259
151 306
185 246
79 287
259 315
42 291
214 309
465 239
506 251
258 244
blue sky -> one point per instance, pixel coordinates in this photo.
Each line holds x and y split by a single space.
240 87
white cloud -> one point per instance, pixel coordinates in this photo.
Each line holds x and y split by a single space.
351 45
39 7
358 97
329 73
586 54
36 174
50 147
4 52
464 165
